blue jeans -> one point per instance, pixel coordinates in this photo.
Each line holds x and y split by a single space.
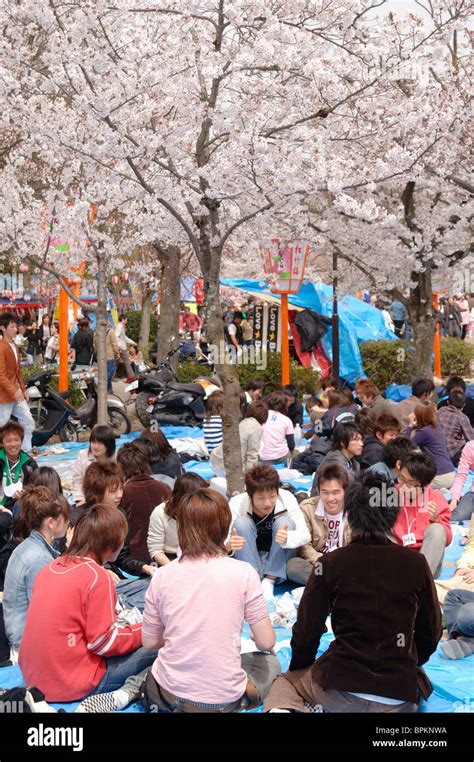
272 564
131 592
464 508
111 368
459 612
120 668
21 411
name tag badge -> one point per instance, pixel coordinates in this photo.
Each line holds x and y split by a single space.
409 539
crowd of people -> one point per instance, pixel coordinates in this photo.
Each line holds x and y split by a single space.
455 316
157 571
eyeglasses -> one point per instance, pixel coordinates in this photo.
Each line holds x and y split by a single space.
407 482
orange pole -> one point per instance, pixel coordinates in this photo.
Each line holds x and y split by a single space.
63 342
285 346
437 345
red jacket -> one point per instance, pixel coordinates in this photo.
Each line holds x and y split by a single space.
70 626
416 518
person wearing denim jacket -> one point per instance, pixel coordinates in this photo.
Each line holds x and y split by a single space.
50 514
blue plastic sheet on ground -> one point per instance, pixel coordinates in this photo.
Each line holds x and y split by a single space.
358 321
453 683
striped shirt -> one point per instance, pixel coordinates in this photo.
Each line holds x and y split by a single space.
213 432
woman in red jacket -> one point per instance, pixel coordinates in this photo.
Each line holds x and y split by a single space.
74 643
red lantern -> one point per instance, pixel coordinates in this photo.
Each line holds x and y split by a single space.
125 276
24 267
115 279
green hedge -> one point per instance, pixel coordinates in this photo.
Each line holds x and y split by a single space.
387 362
456 356
306 380
76 396
133 325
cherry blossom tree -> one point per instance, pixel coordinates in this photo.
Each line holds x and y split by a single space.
215 115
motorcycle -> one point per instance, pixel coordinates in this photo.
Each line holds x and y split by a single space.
85 416
161 398
51 412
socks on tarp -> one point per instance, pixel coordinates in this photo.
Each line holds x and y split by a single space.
458 648
105 702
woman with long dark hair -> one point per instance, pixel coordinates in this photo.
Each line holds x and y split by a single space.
162 531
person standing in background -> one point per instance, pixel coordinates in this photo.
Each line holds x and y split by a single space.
124 342
399 316
13 397
463 304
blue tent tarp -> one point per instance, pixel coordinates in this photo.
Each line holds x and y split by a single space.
358 321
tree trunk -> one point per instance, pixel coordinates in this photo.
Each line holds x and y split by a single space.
422 316
101 342
170 287
230 384
144 337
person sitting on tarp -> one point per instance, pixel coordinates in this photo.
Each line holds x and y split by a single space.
386 427
295 408
16 468
423 522
456 383
267 527
347 443
421 392
372 398
384 615
278 435
392 454
324 519
340 410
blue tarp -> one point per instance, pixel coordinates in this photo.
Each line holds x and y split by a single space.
358 321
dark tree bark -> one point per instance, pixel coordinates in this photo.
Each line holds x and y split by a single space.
170 288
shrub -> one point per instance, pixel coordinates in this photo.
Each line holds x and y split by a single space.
456 356
189 370
387 362
75 398
306 380
133 325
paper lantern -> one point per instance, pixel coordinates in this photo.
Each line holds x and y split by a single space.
284 263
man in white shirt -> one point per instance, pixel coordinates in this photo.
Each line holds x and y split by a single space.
267 526
325 521
124 342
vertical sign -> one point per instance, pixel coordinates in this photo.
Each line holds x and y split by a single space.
258 327
272 337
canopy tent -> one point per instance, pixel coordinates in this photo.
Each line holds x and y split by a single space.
358 321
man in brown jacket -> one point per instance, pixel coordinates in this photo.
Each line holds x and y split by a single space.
13 397
324 519
384 614
421 391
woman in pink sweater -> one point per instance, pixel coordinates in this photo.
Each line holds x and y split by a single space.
194 611
462 508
